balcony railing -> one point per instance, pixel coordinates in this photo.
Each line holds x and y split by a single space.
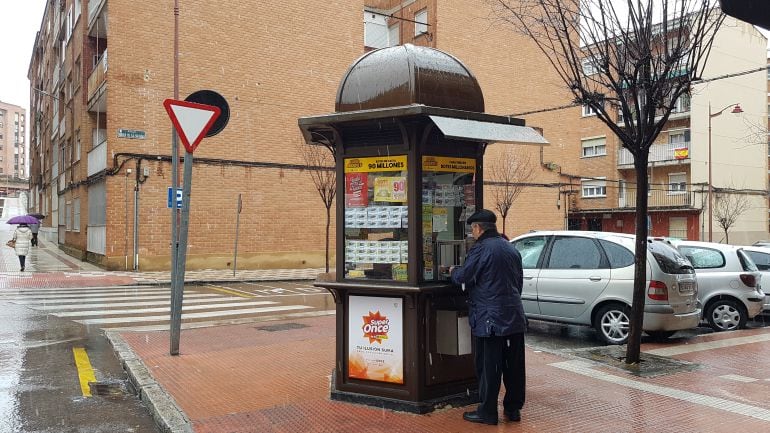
671 152
661 198
97 158
98 76
94 6
56 76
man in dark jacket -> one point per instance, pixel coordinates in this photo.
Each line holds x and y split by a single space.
492 275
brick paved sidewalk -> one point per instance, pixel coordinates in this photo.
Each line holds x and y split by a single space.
243 379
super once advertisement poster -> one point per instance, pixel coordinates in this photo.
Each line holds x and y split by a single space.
375 339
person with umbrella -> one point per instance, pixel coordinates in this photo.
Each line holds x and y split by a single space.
22 237
35 227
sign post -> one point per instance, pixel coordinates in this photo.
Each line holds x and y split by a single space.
191 122
237 227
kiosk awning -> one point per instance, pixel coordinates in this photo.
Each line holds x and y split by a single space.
486 131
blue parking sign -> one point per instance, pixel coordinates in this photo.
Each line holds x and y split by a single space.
178 198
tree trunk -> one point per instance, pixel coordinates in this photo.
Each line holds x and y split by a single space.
504 218
640 258
328 223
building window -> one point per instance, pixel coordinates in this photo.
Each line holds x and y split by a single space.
421 22
590 66
588 111
68 216
677 183
681 136
375 30
682 104
394 32
594 147
77 146
677 227
593 188
76 215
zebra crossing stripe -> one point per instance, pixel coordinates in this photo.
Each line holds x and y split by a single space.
82 295
58 289
165 317
159 303
159 310
119 298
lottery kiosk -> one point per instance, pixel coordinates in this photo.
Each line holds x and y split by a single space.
409 135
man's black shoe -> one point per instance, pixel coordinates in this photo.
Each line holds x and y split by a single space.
475 417
513 415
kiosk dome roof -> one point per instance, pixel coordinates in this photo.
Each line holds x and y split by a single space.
406 75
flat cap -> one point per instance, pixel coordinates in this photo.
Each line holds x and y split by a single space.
482 216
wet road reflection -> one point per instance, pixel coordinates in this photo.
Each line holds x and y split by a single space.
39 385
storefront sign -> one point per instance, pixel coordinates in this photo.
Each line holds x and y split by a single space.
356 189
375 164
453 165
375 339
390 189
131 133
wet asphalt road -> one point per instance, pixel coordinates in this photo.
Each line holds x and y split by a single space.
40 389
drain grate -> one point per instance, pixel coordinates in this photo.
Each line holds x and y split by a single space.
281 327
115 389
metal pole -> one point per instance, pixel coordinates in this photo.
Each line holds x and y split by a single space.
174 349
711 192
237 227
176 310
136 221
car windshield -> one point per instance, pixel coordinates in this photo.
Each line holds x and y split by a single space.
669 259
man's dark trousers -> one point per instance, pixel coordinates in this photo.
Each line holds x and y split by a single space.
496 356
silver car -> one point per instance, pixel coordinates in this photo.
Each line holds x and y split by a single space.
760 255
587 278
728 283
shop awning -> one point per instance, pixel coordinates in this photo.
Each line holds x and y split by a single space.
475 130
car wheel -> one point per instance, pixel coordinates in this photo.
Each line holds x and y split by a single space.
613 324
726 315
660 335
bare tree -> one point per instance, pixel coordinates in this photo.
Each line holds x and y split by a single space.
627 61
319 163
728 207
508 176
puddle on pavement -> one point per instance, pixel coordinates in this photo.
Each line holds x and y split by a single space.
281 327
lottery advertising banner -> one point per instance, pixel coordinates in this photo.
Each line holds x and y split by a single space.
356 189
375 164
375 339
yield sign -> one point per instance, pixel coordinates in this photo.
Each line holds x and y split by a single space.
191 120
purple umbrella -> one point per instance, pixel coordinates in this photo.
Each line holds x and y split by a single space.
23 219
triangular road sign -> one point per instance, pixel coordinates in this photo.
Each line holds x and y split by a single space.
191 120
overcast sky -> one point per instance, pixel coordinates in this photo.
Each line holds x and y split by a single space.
19 21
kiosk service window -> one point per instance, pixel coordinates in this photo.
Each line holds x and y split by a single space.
448 199
376 218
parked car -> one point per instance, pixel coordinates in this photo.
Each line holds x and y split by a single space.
728 283
587 278
761 257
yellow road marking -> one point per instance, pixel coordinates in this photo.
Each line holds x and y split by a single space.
231 291
85 371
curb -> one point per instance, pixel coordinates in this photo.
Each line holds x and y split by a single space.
163 409
212 281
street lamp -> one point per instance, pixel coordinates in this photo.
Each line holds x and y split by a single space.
735 110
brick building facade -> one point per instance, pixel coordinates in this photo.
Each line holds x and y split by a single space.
13 145
100 70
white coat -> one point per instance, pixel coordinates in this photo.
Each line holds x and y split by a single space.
23 236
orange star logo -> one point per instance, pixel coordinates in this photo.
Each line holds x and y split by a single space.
376 327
